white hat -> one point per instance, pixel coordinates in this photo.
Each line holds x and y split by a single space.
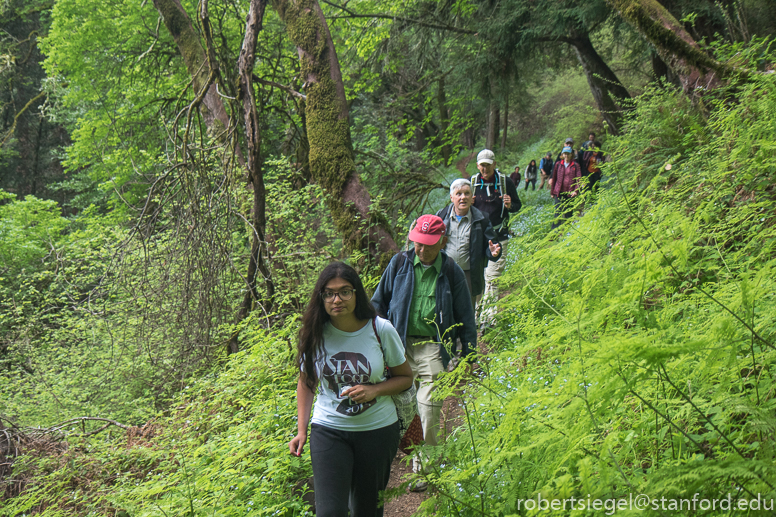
485 156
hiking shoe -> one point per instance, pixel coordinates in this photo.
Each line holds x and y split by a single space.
418 486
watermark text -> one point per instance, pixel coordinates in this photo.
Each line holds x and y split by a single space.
643 502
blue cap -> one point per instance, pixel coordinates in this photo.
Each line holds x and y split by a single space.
566 150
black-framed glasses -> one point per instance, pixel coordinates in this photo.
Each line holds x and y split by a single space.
344 295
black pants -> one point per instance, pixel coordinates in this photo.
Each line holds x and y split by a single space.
351 468
532 182
564 209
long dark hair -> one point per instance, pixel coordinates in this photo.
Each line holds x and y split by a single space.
315 317
533 163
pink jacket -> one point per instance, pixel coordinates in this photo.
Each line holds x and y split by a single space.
566 178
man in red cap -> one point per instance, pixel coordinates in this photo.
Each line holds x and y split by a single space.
424 294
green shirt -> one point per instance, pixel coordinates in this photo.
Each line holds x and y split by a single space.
423 305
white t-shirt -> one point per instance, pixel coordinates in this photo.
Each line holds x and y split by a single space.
349 359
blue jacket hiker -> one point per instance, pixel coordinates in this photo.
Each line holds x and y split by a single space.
424 295
393 298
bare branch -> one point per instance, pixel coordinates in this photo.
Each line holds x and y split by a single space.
59 426
421 23
280 87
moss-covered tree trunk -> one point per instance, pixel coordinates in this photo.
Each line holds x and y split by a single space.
674 45
328 132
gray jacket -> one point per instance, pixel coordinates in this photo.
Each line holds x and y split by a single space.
393 298
479 251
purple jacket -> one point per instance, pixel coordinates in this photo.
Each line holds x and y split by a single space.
566 178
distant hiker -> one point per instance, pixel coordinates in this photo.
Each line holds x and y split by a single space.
592 159
545 167
564 185
424 294
570 144
515 176
355 433
471 241
589 143
584 150
496 196
530 175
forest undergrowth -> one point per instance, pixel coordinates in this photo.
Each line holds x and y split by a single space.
632 355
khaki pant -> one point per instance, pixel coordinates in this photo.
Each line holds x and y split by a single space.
490 297
426 363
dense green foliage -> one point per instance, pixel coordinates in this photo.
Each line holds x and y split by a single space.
222 451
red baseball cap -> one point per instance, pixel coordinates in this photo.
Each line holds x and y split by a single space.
428 230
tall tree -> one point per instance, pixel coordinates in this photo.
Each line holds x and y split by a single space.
328 132
572 23
605 86
28 162
257 262
203 66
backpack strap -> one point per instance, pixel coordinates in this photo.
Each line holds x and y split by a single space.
503 182
402 260
386 370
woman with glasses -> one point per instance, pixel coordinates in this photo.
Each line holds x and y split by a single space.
342 352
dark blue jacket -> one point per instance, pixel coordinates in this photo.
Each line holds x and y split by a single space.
393 298
479 251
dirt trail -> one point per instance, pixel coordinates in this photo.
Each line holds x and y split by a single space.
462 163
408 503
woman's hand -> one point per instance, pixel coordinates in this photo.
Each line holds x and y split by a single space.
304 404
296 446
361 393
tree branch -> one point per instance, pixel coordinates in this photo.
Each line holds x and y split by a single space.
352 14
280 87
59 426
19 114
